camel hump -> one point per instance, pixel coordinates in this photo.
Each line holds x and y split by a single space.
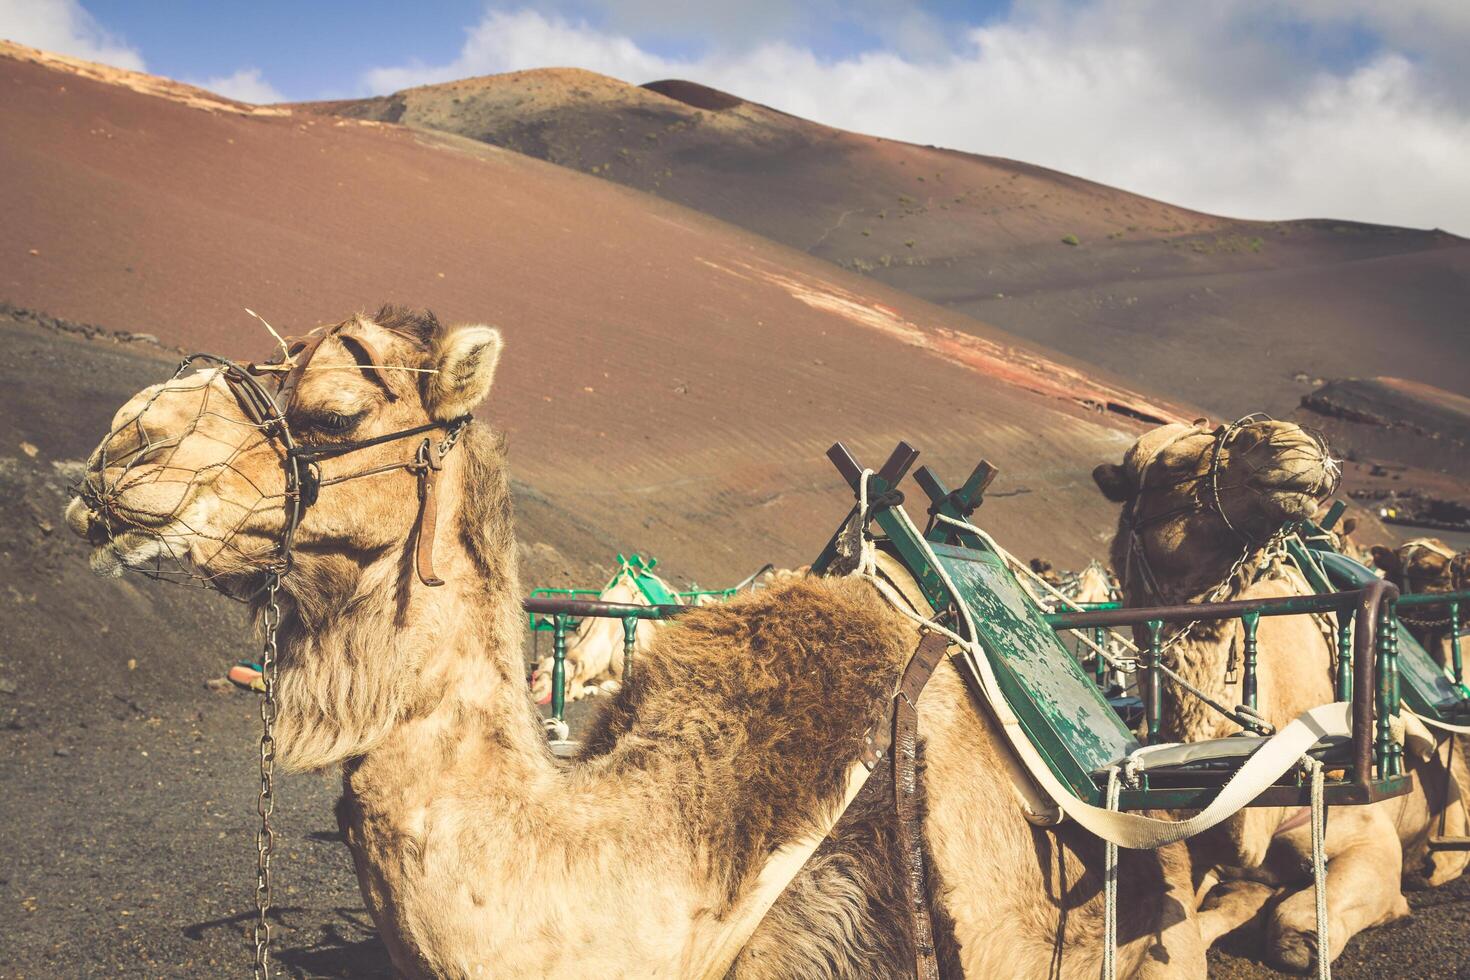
768 696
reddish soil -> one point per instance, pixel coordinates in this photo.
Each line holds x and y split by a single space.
1202 308
671 382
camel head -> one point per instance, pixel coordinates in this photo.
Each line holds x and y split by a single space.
1195 495
1424 565
187 483
191 483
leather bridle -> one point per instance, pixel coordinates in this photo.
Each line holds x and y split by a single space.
1201 501
269 411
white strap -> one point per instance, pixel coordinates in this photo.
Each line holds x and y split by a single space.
1319 869
1268 764
1443 726
1110 885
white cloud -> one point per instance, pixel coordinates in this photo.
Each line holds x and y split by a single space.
245 85
64 27
1220 107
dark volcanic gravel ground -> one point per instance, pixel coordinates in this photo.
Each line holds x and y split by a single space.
128 800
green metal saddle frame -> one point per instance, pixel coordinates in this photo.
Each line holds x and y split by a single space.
1061 710
556 611
1426 689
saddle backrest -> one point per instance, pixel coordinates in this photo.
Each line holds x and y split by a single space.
1060 708
653 589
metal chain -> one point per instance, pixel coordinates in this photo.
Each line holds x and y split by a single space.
452 436
265 836
1425 622
1269 551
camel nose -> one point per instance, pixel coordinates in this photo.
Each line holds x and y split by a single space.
81 519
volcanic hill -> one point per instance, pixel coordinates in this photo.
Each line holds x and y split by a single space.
671 381
1224 313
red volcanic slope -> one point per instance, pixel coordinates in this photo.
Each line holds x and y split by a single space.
1220 312
670 383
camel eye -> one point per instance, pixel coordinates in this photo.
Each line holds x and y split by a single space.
329 423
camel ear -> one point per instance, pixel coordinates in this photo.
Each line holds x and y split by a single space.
1460 571
1349 525
1112 480
465 358
1388 561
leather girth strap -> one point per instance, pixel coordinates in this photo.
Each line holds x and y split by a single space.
899 728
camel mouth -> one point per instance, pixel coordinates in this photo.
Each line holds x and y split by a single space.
1293 490
117 548
137 550
1292 505
84 521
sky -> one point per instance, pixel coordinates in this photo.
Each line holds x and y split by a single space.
1271 109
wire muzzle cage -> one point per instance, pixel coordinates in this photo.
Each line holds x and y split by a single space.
142 482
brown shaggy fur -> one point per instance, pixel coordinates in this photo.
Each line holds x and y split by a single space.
821 659
824 658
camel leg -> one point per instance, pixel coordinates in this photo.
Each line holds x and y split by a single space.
1362 891
1179 953
1206 884
1230 905
1228 900
1448 816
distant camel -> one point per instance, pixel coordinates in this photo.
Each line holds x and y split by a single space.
1093 584
1429 565
594 655
732 751
1190 532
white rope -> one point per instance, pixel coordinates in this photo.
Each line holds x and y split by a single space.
1110 885
1319 867
867 550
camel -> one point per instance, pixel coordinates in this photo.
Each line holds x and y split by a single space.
594 656
776 576
1344 536
1186 535
1055 591
714 780
1429 565
1093 584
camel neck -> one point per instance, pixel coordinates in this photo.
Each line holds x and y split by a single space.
1176 565
370 653
471 709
